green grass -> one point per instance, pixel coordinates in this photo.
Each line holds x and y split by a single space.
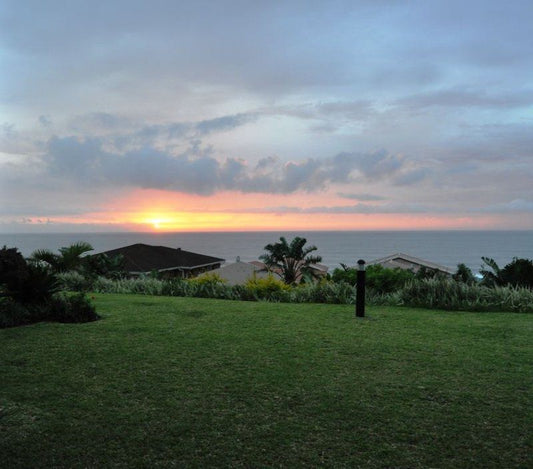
183 382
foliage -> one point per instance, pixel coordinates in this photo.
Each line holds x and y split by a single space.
208 278
39 286
267 288
426 273
103 265
13 271
378 278
30 294
71 308
451 295
518 273
464 274
209 286
291 261
74 281
324 292
490 272
140 285
345 274
25 283
59 307
69 258
13 313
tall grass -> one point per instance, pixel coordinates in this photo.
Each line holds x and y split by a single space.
426 293
452 295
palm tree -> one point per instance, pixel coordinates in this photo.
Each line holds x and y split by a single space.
291 262
492 277
69 258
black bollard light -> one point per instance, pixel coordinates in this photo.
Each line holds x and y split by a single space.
360 290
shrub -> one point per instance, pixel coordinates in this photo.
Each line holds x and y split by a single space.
105 285
267 288
13 313
378 278
71 308
141 285
176 287
519 273
13 271
209 286
344 275
448 294
464 274
324 292
74 281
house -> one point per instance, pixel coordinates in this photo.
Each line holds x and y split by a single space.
319 270
239 272
143 259
407 262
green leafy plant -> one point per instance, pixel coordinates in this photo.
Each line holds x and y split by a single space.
71 308
267 288
291 261
378 278
69 258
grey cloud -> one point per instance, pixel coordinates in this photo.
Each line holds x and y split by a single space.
221 124
95 122
150 134
7 129
516 205
197 171
351 209
380 164
365 197
411 177
467 98
45 121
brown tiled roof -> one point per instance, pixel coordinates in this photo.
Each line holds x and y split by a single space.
146 258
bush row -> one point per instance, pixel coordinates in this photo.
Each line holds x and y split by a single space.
448 294
60 307
427 293
29 292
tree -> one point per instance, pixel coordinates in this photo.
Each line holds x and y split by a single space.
490 272
291 261
25 283
378 278
518 273
464 275
69 258
14 271
104 265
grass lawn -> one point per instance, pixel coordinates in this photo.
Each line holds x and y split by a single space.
182 382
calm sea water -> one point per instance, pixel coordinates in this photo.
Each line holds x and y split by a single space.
447 248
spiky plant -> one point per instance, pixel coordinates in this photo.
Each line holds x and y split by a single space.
290 261
69 258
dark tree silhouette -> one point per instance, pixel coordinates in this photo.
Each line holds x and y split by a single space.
291 261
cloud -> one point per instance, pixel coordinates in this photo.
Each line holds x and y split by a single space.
411 177
364 197
360 208
516 205
86 162
463 98
45 121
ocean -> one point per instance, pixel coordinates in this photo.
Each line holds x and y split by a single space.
447 248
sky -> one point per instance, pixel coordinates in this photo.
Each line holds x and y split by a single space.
280 115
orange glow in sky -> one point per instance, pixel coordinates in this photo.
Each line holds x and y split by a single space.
159 211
